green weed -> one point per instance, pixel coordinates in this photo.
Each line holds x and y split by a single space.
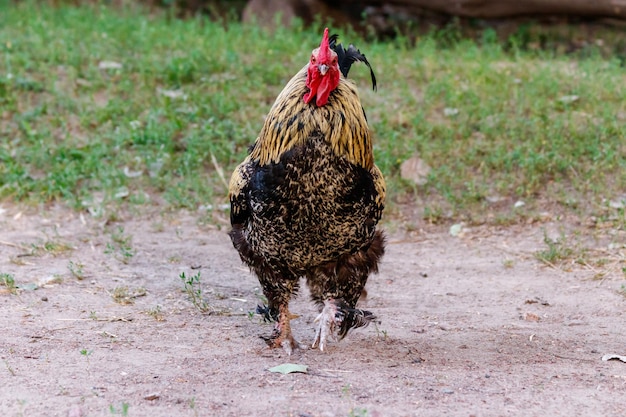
560 250
193 288
381 333
124 295
86 354
120 246
192 404
156 313
346 392
76 269
122 410
54 247
358 412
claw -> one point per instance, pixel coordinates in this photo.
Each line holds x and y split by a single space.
336 319
281 336
328 321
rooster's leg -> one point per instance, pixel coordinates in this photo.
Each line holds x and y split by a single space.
338 316
281 336
327 321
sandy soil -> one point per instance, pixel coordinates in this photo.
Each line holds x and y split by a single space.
470 326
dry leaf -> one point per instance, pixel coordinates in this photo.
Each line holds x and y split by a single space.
611 356
288 368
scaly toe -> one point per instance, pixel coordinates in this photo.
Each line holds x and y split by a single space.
287 346
281 336
326 324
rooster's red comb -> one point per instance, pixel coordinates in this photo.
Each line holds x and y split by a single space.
324 53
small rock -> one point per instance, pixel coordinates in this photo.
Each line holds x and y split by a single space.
152 397
48 281
109 65
537 300
519 204
122 192
173 94
447 391
569 99
415 169
132 174
494 199
456 230
530 317
44 298
450 111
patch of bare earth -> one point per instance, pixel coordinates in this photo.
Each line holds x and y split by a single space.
470 326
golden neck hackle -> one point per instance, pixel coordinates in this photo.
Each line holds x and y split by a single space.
291 121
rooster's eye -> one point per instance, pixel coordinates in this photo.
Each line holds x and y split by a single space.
312 59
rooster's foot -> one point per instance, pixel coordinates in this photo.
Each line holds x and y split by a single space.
328 320
336 319
281 336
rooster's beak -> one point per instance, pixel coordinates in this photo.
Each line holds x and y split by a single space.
323 69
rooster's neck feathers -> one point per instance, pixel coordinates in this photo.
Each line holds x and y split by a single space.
291 122
342 121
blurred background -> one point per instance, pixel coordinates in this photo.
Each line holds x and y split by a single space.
487 111
386 18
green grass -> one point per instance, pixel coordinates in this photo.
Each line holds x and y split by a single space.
88 134
558 250
8 281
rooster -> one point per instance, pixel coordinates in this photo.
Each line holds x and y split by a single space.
306 200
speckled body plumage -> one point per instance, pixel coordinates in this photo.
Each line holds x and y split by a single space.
306 201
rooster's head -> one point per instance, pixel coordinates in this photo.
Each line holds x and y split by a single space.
323 73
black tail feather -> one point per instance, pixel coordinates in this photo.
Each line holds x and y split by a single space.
267 313
352 318
347 57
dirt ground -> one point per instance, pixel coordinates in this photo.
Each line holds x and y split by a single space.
471 325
